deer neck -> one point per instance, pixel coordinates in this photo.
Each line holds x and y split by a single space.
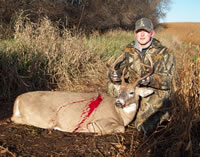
128 113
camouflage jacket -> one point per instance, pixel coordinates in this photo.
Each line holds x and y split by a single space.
163 65
163 74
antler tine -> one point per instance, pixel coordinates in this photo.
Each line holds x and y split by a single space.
149 73
122 77
112 67
109 61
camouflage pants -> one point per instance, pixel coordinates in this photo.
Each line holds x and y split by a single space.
153 110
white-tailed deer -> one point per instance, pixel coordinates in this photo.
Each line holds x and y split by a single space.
79 112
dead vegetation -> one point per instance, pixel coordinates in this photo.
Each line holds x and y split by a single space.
188 32
42 57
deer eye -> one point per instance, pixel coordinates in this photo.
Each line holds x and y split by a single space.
131 93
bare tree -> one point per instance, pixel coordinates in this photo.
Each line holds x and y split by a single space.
105 14
86 14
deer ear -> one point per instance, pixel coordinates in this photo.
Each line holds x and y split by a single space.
143 92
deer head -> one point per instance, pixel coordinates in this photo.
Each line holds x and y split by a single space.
130 92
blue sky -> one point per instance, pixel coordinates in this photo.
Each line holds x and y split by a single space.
183 11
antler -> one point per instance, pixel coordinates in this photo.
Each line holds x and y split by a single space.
148 74
112 66
122 77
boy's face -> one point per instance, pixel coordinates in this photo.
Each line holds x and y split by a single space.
143 37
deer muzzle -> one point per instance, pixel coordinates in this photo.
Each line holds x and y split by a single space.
120 103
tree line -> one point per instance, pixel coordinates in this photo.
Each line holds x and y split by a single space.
83 14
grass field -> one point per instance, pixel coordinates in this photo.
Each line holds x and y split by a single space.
188 32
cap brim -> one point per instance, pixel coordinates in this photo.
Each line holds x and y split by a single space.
143 28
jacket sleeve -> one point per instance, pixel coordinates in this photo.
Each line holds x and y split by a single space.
164 70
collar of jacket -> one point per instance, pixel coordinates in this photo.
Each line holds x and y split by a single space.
143 51
154 44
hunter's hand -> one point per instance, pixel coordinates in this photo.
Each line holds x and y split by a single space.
115 76
146 81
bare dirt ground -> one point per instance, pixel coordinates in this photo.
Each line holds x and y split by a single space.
23 141
26 141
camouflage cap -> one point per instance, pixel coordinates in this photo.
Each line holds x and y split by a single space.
144 23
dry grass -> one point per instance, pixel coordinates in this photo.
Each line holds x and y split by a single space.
59 56
188 32
42 56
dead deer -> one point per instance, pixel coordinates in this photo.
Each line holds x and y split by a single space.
80 112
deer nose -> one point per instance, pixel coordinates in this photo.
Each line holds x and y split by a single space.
119 103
